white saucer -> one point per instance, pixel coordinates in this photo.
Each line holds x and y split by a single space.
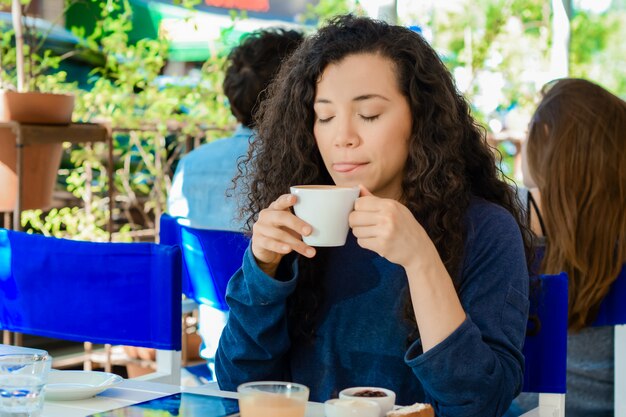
78 385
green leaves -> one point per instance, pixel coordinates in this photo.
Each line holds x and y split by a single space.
151 121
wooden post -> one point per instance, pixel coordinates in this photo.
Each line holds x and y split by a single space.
19 172
559 52
16 12
386 10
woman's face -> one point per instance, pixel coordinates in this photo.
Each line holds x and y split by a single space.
363 124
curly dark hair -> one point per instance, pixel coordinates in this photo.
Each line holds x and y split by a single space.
251 66
449 159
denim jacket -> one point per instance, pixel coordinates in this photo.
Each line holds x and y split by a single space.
202 179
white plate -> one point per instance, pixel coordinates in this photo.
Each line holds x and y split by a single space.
78 385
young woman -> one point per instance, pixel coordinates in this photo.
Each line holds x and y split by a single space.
575 157
429 295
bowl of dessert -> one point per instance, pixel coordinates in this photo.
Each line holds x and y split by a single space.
385 398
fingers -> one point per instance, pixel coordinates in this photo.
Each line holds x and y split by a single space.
364 191
367 210
278 238
283 202
370 243
366 232
375 220
359 218
368 225
369 202
278 215
278 231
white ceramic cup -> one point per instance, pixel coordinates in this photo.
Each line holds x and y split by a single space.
359 407
326 208
386 403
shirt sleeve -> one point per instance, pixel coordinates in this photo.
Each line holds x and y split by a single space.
255 342
478 369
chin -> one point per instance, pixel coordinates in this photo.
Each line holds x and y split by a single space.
347 183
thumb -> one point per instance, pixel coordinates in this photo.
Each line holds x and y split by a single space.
364 191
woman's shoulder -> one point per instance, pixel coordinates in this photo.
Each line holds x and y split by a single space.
484 211
485 218
493 239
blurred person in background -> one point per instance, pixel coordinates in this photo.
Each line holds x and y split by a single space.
574 165
201 191
204 175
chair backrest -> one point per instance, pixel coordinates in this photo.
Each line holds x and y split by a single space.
115 293
545 347
210 258
612 312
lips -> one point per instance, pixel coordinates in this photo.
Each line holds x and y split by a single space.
345 167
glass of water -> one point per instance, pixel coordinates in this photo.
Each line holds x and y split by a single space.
22 380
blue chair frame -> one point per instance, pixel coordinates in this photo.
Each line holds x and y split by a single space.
112 293
545 347
210 258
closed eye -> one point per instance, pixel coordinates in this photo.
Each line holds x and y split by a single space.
370 118
324 120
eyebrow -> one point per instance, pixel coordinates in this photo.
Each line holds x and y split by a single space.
358 98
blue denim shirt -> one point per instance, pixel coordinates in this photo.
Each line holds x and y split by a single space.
361 335
202 179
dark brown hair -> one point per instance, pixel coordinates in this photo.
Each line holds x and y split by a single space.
576 154
251 67
449 160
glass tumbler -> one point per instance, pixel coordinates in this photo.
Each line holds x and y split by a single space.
22 380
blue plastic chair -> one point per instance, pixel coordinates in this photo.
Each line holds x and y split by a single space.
612 312
210 258
112 293
545 347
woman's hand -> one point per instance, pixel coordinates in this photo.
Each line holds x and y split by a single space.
277 232
388 228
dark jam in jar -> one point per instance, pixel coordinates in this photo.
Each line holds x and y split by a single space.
369 393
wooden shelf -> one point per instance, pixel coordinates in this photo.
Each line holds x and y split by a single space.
75 133
36 134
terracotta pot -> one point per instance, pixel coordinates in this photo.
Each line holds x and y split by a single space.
40 162
36 108
40 166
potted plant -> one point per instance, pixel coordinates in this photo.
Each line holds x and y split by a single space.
27 96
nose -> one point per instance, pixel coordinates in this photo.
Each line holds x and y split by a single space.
346 135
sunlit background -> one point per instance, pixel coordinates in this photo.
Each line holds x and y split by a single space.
153 71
